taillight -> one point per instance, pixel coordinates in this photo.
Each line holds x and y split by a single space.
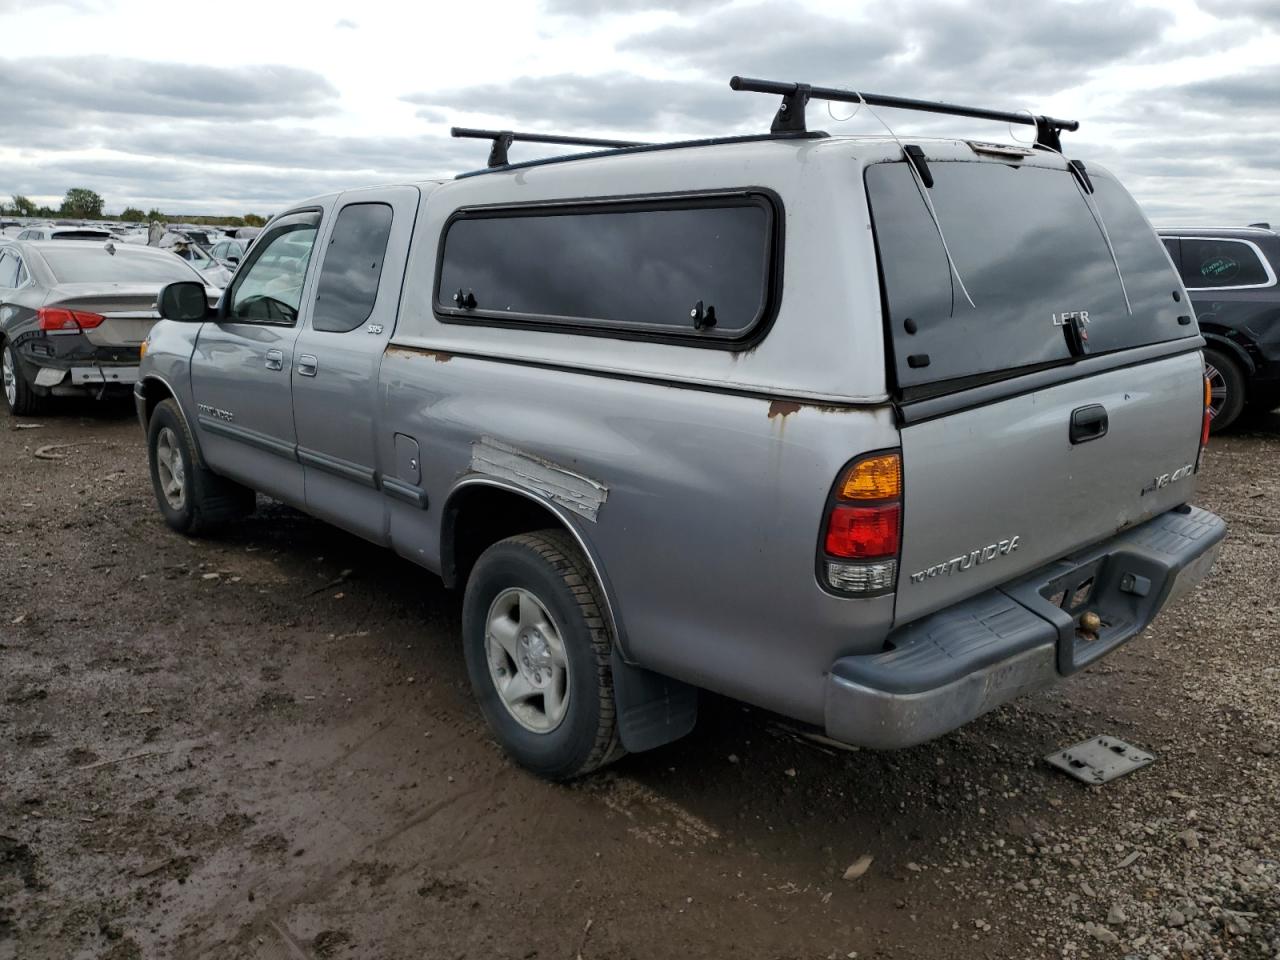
1205 421
862 532
62 320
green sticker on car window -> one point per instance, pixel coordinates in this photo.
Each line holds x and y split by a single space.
1219 268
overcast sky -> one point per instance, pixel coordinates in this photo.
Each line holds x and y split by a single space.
234 106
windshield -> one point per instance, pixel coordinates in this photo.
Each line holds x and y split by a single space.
1029 252
87 264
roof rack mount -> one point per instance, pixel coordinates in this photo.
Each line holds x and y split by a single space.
502 139
790 116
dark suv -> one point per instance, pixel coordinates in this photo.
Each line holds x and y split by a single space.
1230 273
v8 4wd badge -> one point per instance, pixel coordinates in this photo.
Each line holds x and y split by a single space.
1162 481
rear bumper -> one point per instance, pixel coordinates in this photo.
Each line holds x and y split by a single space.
948 668
85 376
68 363
68 381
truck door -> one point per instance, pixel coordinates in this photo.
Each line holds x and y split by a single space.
335 376
242 361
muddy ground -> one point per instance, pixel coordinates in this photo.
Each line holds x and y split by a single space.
263 746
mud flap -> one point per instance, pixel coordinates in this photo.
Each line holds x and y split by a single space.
653 710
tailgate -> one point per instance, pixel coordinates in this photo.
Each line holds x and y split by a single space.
994 491
1045 360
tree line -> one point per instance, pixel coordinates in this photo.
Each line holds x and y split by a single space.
81 203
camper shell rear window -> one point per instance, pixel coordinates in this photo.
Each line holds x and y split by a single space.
702 270
1029 251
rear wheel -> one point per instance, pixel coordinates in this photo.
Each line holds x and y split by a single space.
19 396
537 650
191 497
1226 390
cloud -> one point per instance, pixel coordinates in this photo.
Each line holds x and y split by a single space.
1257 90
208 137
930 48
64 91
89 6
592 8
1263 11
617 101
263 144
176 186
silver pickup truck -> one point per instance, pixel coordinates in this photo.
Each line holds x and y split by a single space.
874 435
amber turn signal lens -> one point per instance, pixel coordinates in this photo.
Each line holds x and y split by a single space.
875 478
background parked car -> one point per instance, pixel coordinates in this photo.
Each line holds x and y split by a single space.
215 274
1231 274
229 252
73 315
64 233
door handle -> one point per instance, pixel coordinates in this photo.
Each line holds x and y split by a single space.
1088 423
275 360
307 365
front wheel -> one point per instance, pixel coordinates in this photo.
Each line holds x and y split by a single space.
537 648
191 497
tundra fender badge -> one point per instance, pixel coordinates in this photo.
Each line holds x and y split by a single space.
216 413
969 560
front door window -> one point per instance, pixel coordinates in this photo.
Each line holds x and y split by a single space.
270 289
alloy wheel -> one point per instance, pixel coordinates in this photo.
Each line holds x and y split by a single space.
10 373
173 477
527 661
1217 389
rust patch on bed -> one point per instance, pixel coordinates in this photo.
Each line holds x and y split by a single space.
783 408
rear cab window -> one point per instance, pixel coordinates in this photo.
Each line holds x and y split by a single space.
352 267
1030 253
698 269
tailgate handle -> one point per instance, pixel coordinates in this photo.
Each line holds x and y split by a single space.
1088 423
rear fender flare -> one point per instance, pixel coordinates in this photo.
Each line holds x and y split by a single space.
446 540
1232 349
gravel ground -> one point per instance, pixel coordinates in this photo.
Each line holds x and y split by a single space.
263 746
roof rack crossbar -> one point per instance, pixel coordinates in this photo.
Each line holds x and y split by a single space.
502 139
790 116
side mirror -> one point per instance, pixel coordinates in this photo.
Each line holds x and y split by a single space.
185 301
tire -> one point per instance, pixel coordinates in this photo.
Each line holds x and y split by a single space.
19 395
1227 389
563 633
192 498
